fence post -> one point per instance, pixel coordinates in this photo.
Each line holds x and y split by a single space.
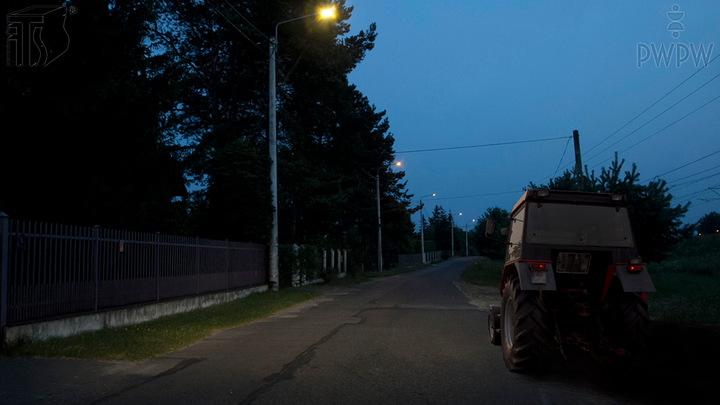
95 259
157 266
197 264
345 261
4 268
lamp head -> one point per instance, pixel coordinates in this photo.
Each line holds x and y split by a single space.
327 12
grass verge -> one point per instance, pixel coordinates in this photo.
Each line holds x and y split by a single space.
483 272
347 281
166 334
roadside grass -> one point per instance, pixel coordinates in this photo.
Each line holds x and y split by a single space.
163 335
687 282
348 281
484 272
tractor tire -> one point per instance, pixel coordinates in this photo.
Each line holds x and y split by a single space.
523 327
494 324
631 325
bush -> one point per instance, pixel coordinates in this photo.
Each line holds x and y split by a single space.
298 261
286 264
308 260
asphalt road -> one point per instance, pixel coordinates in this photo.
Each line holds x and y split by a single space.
409 339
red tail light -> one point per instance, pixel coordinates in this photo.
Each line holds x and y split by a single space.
635 268
540 266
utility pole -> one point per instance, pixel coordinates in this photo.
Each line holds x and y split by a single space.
377 189
467 242
452 235
422 234
578 160
272 141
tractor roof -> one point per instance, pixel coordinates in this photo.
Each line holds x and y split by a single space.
571 197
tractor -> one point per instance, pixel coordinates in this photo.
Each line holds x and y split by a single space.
572 276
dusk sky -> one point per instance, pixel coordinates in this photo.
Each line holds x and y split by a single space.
468 72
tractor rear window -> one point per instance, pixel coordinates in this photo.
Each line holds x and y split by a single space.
581 225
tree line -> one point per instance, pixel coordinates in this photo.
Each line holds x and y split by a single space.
656 222
156 119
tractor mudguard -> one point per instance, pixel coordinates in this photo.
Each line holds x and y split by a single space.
634 282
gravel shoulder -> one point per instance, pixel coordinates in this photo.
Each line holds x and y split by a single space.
480 296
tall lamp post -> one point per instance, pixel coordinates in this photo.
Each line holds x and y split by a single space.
452 235
272 140
467 246
377 191
422 229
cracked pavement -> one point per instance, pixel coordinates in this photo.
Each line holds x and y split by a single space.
416 338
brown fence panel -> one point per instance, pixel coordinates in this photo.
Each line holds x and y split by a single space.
54 270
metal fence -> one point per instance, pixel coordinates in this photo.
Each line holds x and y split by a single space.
51 270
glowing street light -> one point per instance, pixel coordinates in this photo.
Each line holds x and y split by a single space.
272 140
327 13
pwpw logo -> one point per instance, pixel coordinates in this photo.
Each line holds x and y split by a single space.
678 51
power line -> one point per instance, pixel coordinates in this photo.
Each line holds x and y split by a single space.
653 104
562 157
685 165
708 201
248 21
694 181
480 146
694 174
687 197
643 112
666 127
238 30
477 195
653 119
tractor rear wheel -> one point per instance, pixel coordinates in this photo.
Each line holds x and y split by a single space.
523 327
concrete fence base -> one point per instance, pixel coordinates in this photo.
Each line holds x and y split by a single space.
121 317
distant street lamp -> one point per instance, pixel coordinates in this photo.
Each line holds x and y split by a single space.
377 190
452 227
272 140
422 228
467 246
452 235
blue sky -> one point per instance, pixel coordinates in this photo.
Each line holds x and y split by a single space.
468 72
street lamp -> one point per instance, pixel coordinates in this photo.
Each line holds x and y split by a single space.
272 140
467 249
422 228
452 234
377 190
